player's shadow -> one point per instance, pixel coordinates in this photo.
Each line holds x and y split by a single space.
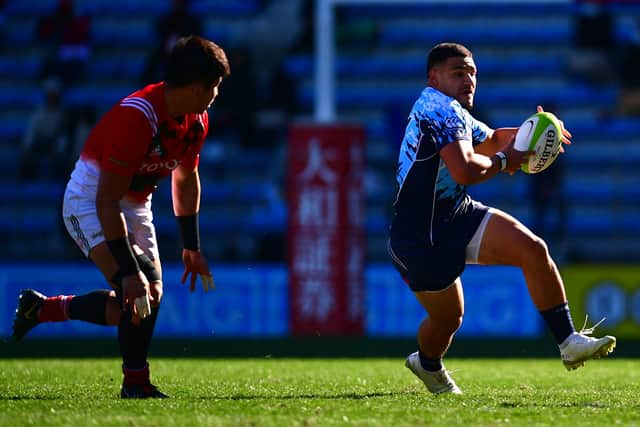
556 405
26 398
339 396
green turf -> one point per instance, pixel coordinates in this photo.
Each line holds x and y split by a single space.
320 392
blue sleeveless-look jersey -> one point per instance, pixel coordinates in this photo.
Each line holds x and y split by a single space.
427 197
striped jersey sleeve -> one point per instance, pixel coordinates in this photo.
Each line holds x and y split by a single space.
145 107
124 136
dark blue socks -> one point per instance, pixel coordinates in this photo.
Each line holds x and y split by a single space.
559 322
432 365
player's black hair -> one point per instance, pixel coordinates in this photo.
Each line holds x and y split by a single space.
194 59
443 51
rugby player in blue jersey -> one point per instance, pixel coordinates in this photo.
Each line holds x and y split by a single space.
437 228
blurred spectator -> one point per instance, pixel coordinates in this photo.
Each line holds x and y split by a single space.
67 35
278 108
629 101
234 113
548 197
306 39
3 20
593 56
169 28
81 122
44 143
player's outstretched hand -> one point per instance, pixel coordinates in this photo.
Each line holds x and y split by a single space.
566 135
195 264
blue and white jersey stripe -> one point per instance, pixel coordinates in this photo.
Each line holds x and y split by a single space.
426 194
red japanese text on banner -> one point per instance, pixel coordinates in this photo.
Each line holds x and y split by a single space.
326 240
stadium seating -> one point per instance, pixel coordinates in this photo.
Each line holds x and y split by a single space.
515 74
379 75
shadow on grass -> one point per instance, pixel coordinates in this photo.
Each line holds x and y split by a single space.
340 396
555 405
240 397
27 398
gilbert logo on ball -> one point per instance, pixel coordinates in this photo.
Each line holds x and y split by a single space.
541 133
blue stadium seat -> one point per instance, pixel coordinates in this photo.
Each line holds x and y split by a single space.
379 93
628 190
627 220
13 126
532 94
225 8
589 187
222 35
132 32
402 33
591 221
616 128
462 10
120 67
31 8
12 96
20 33
102 96
122 8
45 191
603 154
501 188
26 67
10 149
415 66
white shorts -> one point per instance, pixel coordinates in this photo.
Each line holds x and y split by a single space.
81 219
473 248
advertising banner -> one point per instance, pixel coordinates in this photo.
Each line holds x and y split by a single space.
610 292
497 304
326 241
247 302
254 301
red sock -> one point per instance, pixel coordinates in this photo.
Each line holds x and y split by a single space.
136 376
55 309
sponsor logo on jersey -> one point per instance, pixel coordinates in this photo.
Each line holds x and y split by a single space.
156 166
157 149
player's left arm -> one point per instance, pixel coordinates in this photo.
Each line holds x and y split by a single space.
498 141
185 192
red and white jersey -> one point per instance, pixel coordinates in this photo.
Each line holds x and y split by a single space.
138 138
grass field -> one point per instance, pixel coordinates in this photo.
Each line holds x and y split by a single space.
320 392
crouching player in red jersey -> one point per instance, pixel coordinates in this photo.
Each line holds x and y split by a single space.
152 133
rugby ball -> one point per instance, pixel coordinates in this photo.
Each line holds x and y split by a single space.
541 133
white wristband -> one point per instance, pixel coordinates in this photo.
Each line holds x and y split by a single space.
503 160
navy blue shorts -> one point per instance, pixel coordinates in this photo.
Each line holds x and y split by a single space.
433 268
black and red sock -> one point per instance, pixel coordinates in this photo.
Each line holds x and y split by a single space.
55 309
137 376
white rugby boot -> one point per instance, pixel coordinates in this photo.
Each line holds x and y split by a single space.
580 347
436 382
